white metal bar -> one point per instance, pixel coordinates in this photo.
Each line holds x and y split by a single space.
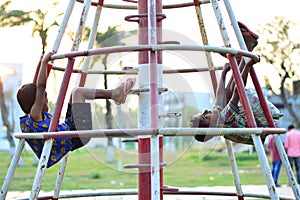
12 168
84 69
63 25
265 166
41 169
287 166
256 139
205 42
92 37
135 70
160 47
234 168
144 97
154 123
235 25
210 66
278 142
167 6
60 176
81 25
57 42
144 131
221 24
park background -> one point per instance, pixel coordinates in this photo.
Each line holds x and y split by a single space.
21 52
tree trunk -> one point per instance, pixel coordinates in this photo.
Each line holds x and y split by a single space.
110 148
287 105
4 115
7 124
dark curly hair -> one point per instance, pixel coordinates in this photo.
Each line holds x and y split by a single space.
26 97
290 127
197 123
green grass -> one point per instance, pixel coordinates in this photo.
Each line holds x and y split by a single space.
88 169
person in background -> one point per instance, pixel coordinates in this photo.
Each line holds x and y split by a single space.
275 159
292 146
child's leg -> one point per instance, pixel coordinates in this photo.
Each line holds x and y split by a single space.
79 115
119 94
250 39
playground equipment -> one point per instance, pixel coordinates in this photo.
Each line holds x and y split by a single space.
150 49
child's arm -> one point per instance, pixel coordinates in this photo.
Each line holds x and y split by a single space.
40 97
38 67
235 96
244 70
221 92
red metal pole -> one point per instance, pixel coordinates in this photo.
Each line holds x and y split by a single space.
242 92
143 30
144 176
262 99
159 8
62 95
161 156
144 183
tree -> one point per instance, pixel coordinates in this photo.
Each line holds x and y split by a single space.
4 116
12 18
38 17
111 37
279 50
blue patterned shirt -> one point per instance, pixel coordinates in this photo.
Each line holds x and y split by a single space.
60 146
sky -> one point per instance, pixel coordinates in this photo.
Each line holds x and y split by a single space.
17 45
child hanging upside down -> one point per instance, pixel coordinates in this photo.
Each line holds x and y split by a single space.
228 111
33 100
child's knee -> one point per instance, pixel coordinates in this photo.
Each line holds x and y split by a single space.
77 95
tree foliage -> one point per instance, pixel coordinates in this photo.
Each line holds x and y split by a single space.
10 18
39 19
281 51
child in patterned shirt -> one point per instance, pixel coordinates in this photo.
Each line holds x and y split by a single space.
33 100
228 111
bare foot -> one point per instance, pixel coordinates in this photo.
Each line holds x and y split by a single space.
121 92
249 37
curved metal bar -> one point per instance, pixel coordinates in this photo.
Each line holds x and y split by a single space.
175 191
134 7
151 131
136 18
133 71
117 49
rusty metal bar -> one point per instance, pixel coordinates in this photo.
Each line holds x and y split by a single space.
136 48
247 108
12 168
171 191
135 71
150 131
133 7
205 42
60 100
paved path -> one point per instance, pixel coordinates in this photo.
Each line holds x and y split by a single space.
285 192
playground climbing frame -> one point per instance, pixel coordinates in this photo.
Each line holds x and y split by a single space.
149 135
